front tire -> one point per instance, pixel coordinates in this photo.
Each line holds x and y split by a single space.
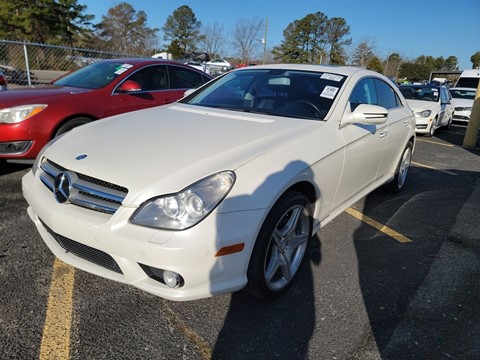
280 247
433 127
401 174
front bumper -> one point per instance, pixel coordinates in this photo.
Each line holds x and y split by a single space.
132 248
463 116
20 141
423 125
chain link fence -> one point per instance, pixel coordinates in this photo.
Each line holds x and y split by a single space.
26 64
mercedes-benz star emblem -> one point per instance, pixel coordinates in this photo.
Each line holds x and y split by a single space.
62 187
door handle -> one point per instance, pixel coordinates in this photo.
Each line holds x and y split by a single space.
383 133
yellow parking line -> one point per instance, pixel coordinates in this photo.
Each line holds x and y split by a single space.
56 331
435 142
386 230
434 168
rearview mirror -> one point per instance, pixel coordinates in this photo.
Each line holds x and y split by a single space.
366 114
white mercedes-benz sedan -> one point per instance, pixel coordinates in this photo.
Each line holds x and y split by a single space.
224 189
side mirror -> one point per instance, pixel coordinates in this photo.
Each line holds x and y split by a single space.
366 114
130 86
188 92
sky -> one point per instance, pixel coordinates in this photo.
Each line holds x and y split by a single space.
408 27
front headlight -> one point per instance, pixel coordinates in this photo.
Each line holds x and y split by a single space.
424 113
187 208
18 114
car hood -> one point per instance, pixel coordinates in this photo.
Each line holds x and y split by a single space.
421 105
168 148
37 95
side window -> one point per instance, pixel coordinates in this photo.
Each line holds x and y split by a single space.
181 78
363 93
151 78
445 95
386 96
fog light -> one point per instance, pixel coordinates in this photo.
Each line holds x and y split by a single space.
167 277
15 147
172 279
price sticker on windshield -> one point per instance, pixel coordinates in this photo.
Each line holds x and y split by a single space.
332 77
122 68
329 92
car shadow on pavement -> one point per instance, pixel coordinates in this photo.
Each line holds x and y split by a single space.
282 328
7 168
422 297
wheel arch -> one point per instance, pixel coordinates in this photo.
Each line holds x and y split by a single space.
303 187
306 188
69 118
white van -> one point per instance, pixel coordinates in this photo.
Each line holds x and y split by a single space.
469 79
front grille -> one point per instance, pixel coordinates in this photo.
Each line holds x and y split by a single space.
85 191
85 252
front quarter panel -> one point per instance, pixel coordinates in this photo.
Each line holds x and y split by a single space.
315 158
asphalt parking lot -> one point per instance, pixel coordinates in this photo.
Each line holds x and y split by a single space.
394 277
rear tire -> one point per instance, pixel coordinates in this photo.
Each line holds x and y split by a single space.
70 124
401 174
280 247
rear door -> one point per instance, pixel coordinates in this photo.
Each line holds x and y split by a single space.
399 125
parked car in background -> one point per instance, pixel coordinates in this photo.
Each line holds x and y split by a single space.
16 76
432 105
463 99
218 65
198 65
468 78
223 189
3 81
29 118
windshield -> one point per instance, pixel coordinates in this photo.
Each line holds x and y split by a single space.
279 92
468 82
463 94
425 93
94 76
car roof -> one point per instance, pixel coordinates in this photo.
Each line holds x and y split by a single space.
462 88
341 70
422 86
140 61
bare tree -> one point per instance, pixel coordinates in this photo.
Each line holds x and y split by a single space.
247 34
213 40
392 64
363 53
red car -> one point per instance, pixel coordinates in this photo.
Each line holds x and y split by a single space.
29 118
